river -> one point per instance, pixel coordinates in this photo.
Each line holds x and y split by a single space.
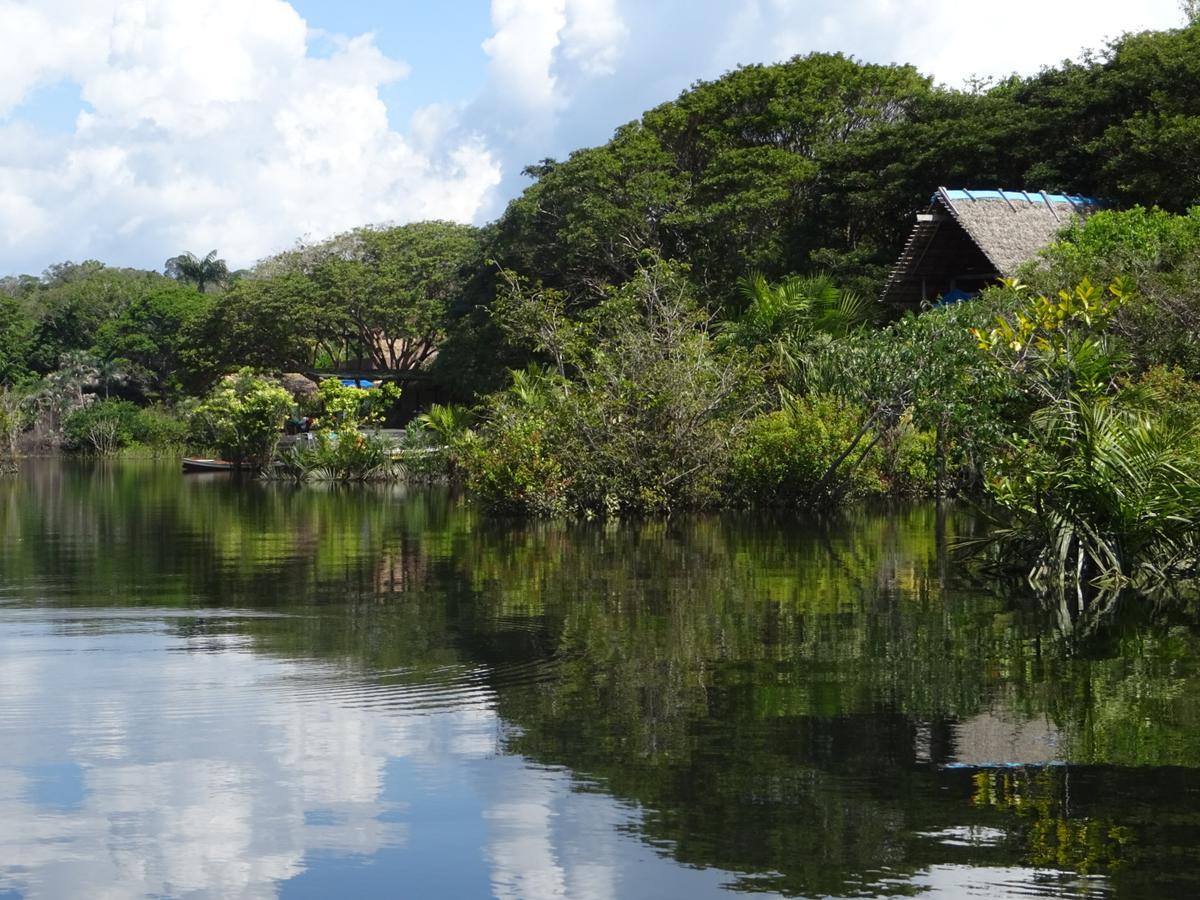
259 690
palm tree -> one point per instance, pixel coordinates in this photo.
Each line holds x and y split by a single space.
200 272
800 307
797 317
1101 493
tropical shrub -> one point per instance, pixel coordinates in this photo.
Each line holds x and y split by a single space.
434 442
910 461
512 470
102 427
795 456
636 415
161 429
242 418
344 408
344 457
1099 486
1155 253
1098 493
345 444
14 417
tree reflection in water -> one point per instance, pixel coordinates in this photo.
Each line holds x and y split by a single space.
831 707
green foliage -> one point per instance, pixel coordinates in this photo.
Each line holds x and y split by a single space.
348 456
638 417
797 308
512 468
14 418
107 426
1058 346
103 427
378 298
151 336
448 423
202 272
794 456
1158 255
726 177
922 375
16 334
1131 243
1098 492
348 409
161 430
437 446
73 303
242 418
265 324
341 446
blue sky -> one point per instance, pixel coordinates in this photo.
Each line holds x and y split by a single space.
131 130
441 41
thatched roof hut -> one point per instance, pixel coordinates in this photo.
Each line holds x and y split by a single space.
301 388
968 239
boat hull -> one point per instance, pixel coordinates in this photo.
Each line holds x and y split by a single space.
193 464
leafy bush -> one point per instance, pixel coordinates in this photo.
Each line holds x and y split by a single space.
342 408
160 429
1157 255
1097 492
637 415
103 427
513 470
242 419
910 461
431 446
106 426
14 417
1102 482
794 456
347 457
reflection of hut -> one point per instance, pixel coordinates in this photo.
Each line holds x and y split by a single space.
990 740
968 239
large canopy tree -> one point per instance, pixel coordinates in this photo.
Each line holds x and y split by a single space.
373 298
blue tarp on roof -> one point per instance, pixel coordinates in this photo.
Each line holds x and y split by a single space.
1019 197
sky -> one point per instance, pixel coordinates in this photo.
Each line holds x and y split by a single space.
132 130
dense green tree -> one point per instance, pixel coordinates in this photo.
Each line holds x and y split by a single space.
75 302
723 178
377 298
407 281
276 323
16 333
151 335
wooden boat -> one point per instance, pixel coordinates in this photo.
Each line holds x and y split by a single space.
194 464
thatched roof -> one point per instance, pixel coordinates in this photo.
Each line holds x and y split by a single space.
301 388
971 238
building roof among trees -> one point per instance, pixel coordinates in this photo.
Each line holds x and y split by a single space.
969 238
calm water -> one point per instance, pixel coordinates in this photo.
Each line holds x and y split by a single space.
261 691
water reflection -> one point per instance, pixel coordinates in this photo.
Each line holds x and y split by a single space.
262 690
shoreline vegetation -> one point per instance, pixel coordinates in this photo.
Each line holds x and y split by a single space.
685 318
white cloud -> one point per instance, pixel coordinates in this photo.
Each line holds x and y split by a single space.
594 35
211 125
522 51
